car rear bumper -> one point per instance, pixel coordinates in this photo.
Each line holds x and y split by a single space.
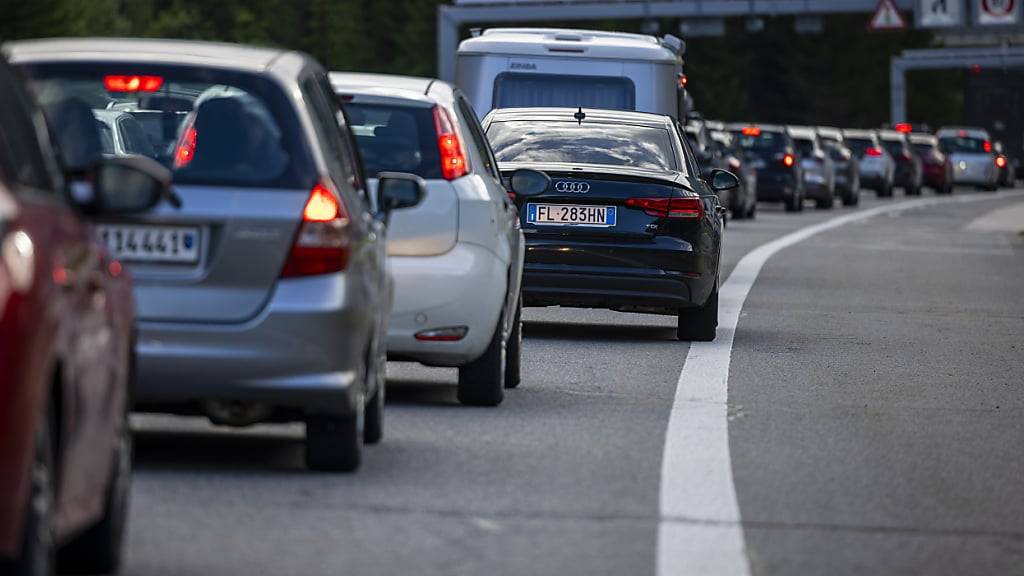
659 276
464 287
775 187
306 350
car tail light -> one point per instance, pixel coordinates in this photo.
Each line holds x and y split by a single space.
323 242
1001 161
453 155
682 208
904 127
874 152
988 146
186 148
450 334
132 83
788 160
751 131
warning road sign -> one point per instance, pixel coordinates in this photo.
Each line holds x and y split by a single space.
940 13
997 12
887 17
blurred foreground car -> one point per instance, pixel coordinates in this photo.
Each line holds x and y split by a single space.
262 291
908 165
877 168
66 335
770 151
938 170
457 258
970 151
626 227
847 172
819 171
743 199
708 156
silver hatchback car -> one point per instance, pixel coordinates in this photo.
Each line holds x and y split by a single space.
262 288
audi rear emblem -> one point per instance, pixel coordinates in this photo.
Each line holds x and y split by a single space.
572 187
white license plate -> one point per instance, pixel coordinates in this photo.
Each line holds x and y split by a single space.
176 244
570 214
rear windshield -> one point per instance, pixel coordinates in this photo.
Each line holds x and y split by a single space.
210 127
517 90
963 144
804 147
395 138
923 148
858 145
764 143
893 147
589 143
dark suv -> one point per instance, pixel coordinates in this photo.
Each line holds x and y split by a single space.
770 151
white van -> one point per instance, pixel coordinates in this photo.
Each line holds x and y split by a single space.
523 67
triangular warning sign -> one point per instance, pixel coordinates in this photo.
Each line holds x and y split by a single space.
887 17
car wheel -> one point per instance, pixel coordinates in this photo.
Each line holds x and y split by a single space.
99 549
38 556
482 381
793 202
513 363
801 201
752 211
334 443
824 203
373 427
699 324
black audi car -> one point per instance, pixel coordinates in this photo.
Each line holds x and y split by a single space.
627 223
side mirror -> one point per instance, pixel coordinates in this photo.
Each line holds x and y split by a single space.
397 190
527 182
721 180
128 184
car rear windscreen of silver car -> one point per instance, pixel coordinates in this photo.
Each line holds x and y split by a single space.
396 138
586 143
517 90
209 126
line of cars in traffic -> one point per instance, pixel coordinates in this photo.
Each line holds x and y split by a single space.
210 229
791 164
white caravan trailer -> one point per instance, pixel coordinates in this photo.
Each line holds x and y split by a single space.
521 67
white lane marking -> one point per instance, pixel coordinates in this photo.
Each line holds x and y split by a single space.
700 531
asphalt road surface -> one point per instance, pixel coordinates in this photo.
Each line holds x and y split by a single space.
875 425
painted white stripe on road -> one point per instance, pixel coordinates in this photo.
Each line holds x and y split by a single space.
700 532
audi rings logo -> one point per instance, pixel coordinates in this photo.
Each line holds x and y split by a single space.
572 187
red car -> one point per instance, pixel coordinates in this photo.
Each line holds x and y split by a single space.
937 168
66 325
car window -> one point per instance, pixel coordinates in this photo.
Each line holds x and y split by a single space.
395 137
963 144
209 126
476 133
587 143
804 147
763 142
518 90
21 136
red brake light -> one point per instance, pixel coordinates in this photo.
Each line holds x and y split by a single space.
789 160
683 80
1001 161
132 83
903 127
751 131
323 242
186 149
874 152
453 155
683 208
988 146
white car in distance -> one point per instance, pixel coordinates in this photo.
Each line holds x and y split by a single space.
456 258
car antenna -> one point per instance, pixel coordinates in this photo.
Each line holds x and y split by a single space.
579 115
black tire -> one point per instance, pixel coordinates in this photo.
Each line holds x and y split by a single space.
851 198
793 203
38 551
915 191
824 203
99 549
699 324
334 443
482 381
886 191
514 350
800 203
373 418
